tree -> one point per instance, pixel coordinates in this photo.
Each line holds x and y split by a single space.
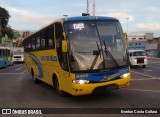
9 32
4 28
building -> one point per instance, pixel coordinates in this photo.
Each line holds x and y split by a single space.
5 41
145 42
153 47
136 42
19 36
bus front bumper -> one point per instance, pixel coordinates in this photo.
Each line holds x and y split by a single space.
85 89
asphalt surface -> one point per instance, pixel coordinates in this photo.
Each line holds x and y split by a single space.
17 90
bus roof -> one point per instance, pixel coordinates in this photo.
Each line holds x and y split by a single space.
87 18
78 18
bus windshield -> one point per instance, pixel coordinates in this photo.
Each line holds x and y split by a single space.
96 45
18 53
140 53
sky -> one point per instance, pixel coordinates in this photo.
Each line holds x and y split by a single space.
137 17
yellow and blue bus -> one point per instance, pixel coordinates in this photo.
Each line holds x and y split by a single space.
79 55
5 56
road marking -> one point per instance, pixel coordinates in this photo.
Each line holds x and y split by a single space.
154 91
12 73
154 67
10 67
147 70
153 62
18 68
146 79
24 71
143 74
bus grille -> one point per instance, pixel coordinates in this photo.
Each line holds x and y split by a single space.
17 56
140 60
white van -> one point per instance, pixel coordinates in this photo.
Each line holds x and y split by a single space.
137 58
18 56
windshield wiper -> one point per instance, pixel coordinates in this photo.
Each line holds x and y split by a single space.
97 53
108 52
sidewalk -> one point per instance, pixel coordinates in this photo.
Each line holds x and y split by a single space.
153 60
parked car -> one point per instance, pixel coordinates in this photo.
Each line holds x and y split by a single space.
137 58
18 56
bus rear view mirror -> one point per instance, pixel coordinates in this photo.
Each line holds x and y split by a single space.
64 45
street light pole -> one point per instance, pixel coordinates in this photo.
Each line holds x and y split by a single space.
93 8
127 24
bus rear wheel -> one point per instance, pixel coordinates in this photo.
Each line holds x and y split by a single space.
57 88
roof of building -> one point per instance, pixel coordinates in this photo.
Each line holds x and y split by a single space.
136 51
137 40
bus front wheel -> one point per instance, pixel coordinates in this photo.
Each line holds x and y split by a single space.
34 78
57 88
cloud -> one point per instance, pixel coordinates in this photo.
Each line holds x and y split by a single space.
149 27
21 16
122 16
153 9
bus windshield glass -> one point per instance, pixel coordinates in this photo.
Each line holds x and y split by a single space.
96 45
140 53
18 53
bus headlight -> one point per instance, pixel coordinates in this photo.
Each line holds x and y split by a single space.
80 81
135 60
125 75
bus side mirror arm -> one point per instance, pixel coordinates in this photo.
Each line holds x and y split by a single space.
64 43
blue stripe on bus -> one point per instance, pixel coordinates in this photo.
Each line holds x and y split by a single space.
36 61
102 76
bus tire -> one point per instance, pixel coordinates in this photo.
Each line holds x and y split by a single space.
57 88
36 81
5 64
144 66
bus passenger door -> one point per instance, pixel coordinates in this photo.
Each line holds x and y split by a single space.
62 70
62 56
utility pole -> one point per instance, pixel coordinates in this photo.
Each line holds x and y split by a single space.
0 28
93 8
88 6
65 15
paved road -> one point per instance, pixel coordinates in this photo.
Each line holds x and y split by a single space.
17 90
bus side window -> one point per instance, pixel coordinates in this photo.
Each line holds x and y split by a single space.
29 44
25 44
43 39
38 41
33 43
50 35
62 57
